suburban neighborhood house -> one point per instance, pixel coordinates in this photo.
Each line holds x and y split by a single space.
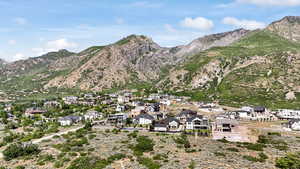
197 123
230 130
69 120
170 124
92 115
34 111
143 119
286 114
293 124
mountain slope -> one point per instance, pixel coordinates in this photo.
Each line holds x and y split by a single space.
288 27
32 73
260 68
235 68
136 59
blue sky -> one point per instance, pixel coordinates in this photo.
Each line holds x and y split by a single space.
33 27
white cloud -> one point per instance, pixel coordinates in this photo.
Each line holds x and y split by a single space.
271 2
247 24
55 45
20 21
12 42
18 56
198 23
61 44
169 28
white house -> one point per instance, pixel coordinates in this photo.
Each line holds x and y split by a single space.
288 114
294 124
70 99
92 115
69 120
247 108
120 108
197 123
143 119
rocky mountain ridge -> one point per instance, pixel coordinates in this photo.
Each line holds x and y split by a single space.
239 66
288 27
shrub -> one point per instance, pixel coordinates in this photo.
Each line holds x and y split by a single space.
255 147
149 163
251 158
192 165
220 154
183 140
144 144
20 167
160 157
18 150
233 149
223 140
274 134
290 161
133 134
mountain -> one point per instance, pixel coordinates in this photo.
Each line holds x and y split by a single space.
206 42
288 27
235 68
136 59
260 68
32 73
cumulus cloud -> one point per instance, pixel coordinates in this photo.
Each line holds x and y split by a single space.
197 23
54 45
20 21
271 2
247 24
12 42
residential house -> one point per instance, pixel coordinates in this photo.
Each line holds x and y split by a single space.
34 111
294 124
50 104
69 120
173 124
160 126
225 125
117 119
143 119
184 115
197 122
92 115
137 110
231 130
70 99
287 114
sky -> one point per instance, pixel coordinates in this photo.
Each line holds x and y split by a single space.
34 27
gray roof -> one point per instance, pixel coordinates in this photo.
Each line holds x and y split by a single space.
186 113
227 121
160 125
170 119
194 117
259 109
292 121
145 116
71 117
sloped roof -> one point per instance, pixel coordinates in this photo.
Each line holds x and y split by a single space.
145 116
